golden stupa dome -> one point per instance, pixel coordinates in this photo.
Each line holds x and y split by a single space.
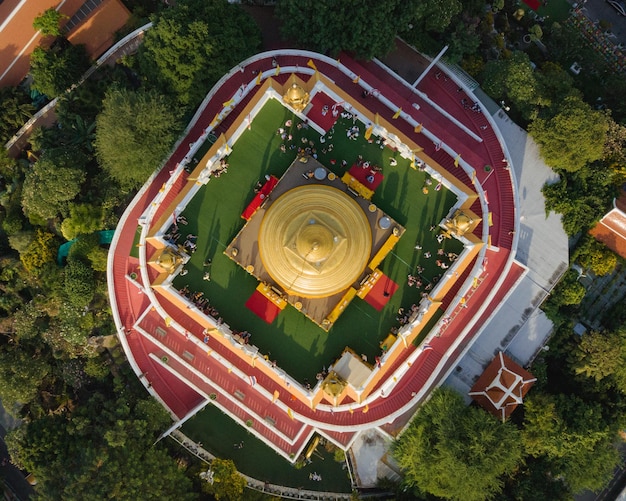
315 241
296 97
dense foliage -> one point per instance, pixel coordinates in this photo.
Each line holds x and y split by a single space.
53 182
134 133
192 46
103 449
455 451
56 69
15 109
366 28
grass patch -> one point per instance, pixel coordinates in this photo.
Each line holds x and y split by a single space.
219 433
554 10
134 250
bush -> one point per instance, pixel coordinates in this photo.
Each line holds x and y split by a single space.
339 455
569 291
56 69
97 368
41 251
595 256
79 283
84 219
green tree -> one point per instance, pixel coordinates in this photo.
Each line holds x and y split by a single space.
98 257
573 437
573 137
10 168
135 132
515 81
53 182
463 41
22 371
569 291
366 28
554 83
56 69
29 321
41 251
104 449
21 240
87 247
12 288
615 150
595 256
534 481
79 283
434 15
192 45
457 452
49 23
84 219
11 201
582 197
70 132
227 483
15 110
601 355
97 368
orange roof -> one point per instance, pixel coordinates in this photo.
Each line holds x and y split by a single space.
18 38
96 33
611 231
502 386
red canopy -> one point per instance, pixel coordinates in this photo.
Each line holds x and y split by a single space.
259 198
381 293
327 120
533 4
366 176
262 307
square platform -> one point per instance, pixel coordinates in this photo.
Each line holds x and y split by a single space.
244 248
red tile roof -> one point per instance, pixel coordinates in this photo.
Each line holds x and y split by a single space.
97 31
611 231
502 386
18 38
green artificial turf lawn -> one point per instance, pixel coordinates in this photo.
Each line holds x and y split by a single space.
219 433
296 343
134 251
553 11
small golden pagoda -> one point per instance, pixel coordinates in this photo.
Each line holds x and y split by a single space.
167 260
296 97
463 221
333 385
